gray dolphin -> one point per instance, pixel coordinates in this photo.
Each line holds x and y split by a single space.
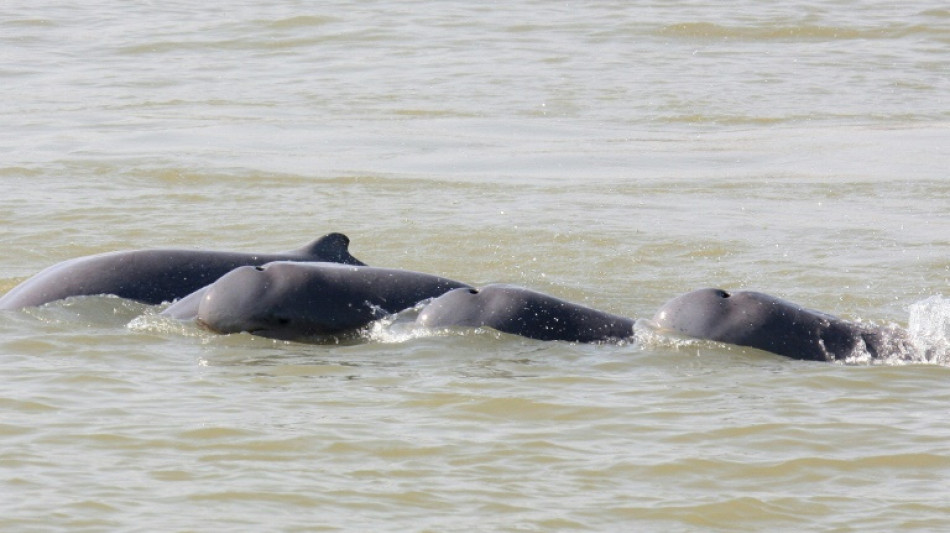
520 311
768 323
157 275
302 301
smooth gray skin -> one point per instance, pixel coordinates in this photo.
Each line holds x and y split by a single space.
306 301
768 323
520 311
159 275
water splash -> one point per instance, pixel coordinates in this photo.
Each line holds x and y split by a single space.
394 329
929 329
890 345
926 340
649 335
397 328
402 327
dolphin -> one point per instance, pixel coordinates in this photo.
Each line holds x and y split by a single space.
154 276
521 311
759 320
306 301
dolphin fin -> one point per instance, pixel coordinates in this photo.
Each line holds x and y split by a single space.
332 247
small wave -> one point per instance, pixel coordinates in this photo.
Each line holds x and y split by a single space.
301 21
708 30
97 310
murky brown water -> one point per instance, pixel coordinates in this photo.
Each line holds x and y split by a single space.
612 154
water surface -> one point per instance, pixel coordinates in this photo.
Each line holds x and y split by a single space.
614 154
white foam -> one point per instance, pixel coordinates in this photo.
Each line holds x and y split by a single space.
398 328
394 330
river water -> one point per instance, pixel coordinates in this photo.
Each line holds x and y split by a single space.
615 154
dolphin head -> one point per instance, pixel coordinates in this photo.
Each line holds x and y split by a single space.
458 307
237 302
761 321
703 314
285 300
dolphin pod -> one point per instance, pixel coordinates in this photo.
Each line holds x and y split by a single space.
157 275
321 290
